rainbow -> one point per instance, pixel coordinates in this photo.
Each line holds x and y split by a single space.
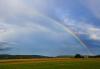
66 29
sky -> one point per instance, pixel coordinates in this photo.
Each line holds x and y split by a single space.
50 27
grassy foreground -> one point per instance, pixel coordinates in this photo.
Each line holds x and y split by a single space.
50 63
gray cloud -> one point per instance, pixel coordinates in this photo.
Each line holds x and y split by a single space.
5 46
83 27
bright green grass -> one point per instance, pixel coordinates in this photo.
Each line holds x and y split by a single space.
54 65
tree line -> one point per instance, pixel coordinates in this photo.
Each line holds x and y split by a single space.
6 56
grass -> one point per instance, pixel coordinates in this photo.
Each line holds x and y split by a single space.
56 63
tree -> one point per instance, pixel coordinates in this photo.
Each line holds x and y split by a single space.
78 56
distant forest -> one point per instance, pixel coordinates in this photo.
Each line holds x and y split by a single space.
5 56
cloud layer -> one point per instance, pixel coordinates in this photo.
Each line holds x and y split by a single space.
35 26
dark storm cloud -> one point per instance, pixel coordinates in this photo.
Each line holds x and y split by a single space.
4 46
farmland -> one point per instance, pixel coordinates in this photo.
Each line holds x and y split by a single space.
51 63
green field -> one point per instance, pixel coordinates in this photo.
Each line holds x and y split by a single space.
50 64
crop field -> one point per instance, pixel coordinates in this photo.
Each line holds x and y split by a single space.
50 63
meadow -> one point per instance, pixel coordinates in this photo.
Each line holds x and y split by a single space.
50 63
